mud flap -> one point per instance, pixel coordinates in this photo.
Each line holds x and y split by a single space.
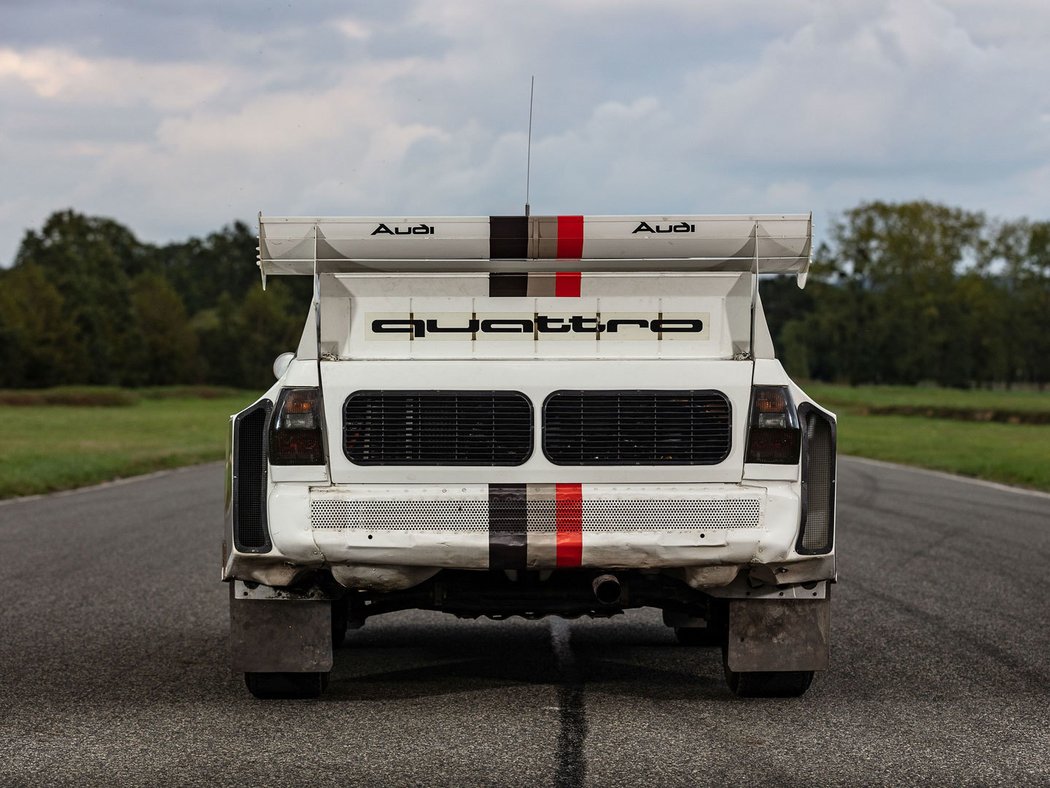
778 635
280 636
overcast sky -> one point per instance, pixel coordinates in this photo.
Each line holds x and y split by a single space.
178 117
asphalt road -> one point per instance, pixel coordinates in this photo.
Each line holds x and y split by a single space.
113 665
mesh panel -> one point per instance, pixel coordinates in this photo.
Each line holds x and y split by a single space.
636 427
249 469
598 516
819 475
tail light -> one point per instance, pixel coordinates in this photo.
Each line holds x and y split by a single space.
295 433
773 435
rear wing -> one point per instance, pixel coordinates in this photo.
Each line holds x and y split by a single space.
309 246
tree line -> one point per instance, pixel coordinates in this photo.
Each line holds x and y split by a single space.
899 293
86 302
918 292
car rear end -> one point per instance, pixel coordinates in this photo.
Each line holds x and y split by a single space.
462 437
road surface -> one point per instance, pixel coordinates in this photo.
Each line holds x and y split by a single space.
113 664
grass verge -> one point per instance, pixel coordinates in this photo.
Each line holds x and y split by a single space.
44 448
928 397
1016 454
1007 453
108 396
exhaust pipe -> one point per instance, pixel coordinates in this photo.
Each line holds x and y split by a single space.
607 589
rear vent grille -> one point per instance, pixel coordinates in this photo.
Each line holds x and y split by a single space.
637 427
818 473
437 428
598 516
250 534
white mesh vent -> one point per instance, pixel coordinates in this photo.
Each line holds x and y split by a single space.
670 515
473 515
401 515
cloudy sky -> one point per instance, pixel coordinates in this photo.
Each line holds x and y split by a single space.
177 116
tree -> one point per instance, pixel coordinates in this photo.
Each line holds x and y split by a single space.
39 345
900 293
202 270
87 259
217 340
1023 248
902 319
266 327
168 344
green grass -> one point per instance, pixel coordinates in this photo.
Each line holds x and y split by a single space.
87 396
833 396
109 396
55 447
1009 453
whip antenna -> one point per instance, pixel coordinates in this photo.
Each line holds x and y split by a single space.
528 150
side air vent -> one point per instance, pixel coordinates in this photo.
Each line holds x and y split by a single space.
817 533
437 428
637 427
250 534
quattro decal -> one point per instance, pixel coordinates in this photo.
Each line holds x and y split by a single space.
521 535
487 321
451 325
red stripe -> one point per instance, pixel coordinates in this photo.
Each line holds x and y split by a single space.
567 284
568 518
570 237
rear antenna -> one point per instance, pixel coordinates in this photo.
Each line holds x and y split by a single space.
528 153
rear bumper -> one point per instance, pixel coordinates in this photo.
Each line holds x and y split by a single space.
705 532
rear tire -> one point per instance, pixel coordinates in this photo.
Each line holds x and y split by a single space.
771 684
268 686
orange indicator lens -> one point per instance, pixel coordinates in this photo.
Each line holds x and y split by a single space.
770 400
300 402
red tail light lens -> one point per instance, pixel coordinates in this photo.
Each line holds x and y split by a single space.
773 435
295 432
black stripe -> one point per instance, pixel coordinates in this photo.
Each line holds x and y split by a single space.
508 526
508 237
509 284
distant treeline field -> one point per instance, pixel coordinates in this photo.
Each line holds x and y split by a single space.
87 303
899 294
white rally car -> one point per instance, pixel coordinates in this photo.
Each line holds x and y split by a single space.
545 415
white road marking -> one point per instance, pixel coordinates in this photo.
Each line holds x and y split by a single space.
945 475
106 485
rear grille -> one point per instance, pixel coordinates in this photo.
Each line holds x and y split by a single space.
250 534
637 427
437 428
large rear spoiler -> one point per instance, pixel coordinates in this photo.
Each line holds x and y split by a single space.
778 243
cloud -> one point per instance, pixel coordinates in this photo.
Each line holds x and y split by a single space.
176 118
59 77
